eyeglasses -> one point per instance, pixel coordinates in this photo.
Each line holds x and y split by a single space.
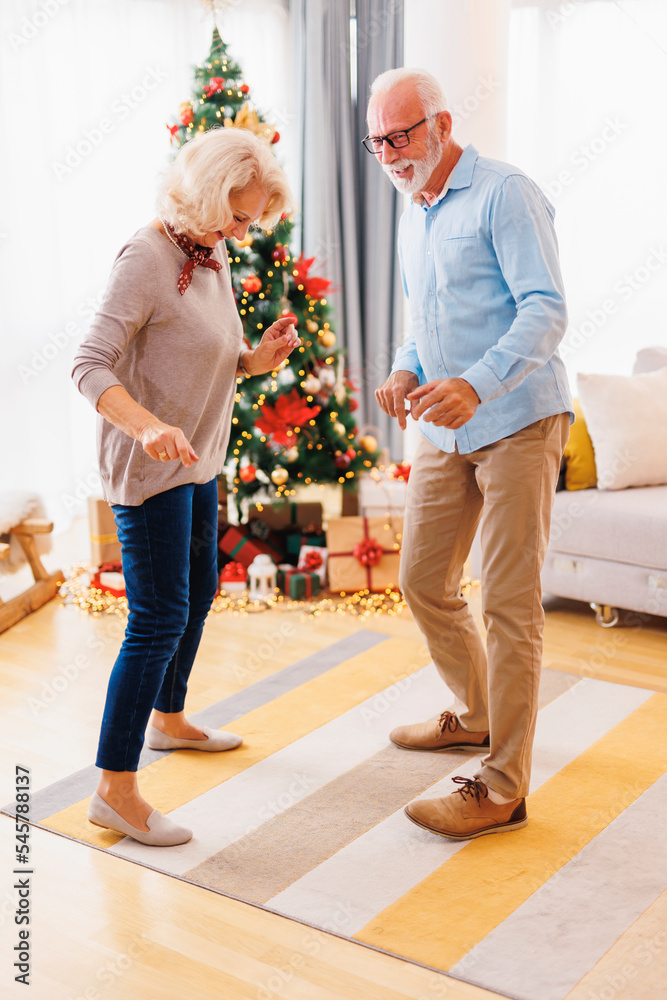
374 143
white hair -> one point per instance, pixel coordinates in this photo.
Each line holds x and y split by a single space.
196 187
427 88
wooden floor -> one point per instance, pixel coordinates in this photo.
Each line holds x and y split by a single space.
104 928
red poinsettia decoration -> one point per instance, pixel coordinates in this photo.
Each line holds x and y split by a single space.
289 412
400 471
215 84
313 286
368 551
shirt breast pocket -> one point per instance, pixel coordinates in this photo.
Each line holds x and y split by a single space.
458 255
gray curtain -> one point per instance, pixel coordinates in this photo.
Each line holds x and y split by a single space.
349 210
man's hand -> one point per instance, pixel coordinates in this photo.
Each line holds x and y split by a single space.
391 394
450 402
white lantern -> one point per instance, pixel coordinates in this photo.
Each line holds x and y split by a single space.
261 577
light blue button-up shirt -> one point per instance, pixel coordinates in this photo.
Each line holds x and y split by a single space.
480 270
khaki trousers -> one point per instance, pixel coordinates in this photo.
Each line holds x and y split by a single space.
508 485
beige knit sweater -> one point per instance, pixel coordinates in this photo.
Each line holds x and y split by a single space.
175 354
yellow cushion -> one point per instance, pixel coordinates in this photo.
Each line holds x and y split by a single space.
580 470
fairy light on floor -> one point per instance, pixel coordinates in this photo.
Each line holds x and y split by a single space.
78 592
89 600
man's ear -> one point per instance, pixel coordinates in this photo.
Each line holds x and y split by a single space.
444 122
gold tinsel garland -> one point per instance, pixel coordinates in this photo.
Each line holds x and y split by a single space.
362 604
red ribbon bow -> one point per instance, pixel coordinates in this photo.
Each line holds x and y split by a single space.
197 255
368 552
313 560
217 83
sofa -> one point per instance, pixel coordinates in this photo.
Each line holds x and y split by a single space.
608 543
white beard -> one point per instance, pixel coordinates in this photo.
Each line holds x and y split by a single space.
422 169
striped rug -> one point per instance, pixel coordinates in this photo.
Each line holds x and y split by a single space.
306 819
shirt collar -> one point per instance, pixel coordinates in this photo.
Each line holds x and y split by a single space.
460 177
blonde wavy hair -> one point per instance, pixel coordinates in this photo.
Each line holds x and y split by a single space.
196 187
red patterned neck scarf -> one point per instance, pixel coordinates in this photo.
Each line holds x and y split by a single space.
197 255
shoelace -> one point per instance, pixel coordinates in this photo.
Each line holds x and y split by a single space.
448 721
471 786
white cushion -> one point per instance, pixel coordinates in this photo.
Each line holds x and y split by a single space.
626 417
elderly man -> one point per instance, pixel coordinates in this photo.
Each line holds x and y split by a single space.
480 370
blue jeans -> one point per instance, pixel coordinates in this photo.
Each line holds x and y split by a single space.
169 546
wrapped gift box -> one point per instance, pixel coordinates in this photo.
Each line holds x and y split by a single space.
313 559
234 577
109 579
380 495
104 544
295 541
241 546
364 553
296 583
286 514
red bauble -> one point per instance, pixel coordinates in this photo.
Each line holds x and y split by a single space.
353 403
276 137
342 462
290 316
351 453
248 473
252 284
280 253
244 88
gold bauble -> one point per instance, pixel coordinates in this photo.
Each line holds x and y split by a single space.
311 326
247 242
340 428
279 475
291 455
328 338
312 384
368 442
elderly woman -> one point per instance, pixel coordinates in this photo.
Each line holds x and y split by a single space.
160 365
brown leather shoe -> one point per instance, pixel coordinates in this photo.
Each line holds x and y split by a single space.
444 734
467 813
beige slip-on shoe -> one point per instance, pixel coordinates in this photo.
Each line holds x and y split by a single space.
445 733
216 739
162 832
467 813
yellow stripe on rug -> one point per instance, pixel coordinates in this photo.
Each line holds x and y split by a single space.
442 918
179 777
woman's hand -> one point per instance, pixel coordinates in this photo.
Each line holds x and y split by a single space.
277 343
165 443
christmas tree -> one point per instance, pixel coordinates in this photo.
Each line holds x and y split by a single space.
295 425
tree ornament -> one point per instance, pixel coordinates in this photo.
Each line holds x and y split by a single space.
248 473
311 385
215 84
289 315
280 253
328 338
353 403
340 429
247 242
342 461
327 376
252 284
291 455
368 442
186 113
311 326
276 136
279 421
279 475
244 88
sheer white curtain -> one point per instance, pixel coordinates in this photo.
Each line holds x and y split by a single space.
586 94
86 88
